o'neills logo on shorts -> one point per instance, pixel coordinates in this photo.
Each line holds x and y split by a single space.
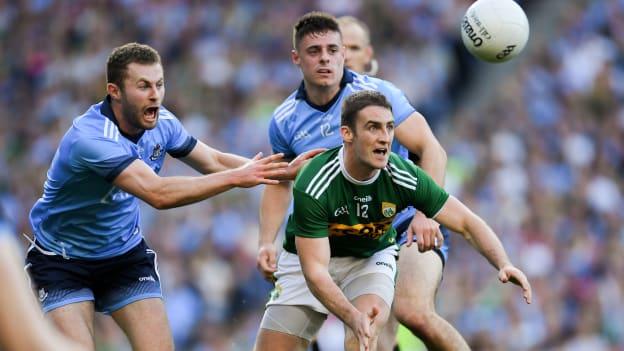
382 263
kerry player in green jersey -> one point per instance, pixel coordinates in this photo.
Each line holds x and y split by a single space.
340 241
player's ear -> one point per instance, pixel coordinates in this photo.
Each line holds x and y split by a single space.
370 52
294 56
346 133
113 90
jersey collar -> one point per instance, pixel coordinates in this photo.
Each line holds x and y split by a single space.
346 174
107 111
347 77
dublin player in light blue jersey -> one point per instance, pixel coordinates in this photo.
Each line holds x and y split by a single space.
88 252
310 118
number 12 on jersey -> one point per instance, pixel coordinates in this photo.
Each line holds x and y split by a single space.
361 210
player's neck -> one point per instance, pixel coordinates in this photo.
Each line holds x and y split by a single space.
321 95
355 168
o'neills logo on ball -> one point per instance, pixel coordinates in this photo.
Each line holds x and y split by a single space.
471 33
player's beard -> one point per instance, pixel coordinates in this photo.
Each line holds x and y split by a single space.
134 115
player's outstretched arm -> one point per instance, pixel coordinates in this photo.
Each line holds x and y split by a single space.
206 159
167 192
22 326
314 254
457 217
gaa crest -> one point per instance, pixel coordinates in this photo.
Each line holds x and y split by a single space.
388 209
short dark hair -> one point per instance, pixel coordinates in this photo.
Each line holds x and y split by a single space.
314 22
357 102
122 56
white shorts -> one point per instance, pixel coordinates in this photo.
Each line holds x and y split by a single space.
291 287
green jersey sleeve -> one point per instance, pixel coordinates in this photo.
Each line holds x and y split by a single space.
309 216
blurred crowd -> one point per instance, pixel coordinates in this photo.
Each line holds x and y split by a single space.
541 160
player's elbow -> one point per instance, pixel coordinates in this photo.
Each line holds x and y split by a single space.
158 200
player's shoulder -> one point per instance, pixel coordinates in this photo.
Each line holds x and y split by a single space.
402 171
397 161
322 169
365 82
164 115
286 109
93 124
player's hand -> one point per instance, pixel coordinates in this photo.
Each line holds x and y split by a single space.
295 165
260 170
361 326
509 273
266 261
426 231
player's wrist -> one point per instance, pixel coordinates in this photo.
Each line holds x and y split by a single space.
266 239
231 177
353 316
265 244
505 265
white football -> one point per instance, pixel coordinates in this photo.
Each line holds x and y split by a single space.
495 30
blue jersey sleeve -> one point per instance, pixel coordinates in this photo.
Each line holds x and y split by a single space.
104 157
180 142
278 141
401 107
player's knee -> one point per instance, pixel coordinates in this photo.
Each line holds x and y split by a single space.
415 319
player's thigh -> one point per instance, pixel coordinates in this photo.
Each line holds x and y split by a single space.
64 292
75 320
288 327
127 278
419 275
146 325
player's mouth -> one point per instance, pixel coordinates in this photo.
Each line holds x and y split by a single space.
151 113
324 71
381 152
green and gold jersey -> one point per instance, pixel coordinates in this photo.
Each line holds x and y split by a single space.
357 215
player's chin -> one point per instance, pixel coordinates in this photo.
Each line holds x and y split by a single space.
326 81
150 123
379 162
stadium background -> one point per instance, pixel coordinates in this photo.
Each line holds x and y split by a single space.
535 146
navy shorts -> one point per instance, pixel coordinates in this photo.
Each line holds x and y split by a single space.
110 283
401 223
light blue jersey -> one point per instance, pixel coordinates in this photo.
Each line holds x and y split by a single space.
81 213
298 125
